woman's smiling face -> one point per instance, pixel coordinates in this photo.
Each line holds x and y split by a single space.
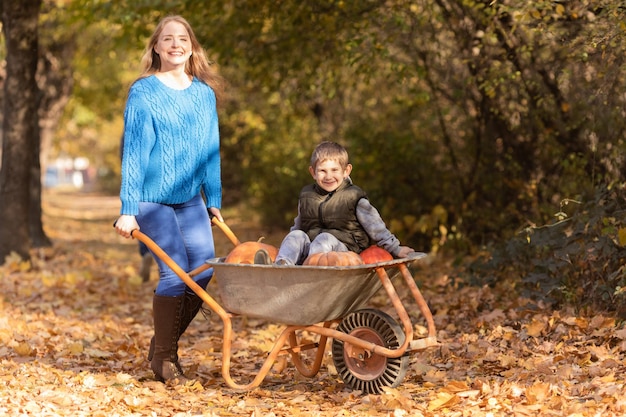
174 46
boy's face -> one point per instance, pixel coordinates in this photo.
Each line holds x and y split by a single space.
329 174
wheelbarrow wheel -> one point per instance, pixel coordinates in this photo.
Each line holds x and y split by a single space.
370 373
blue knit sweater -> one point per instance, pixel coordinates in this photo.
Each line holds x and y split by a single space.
171 145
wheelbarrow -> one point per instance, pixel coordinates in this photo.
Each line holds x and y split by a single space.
370 349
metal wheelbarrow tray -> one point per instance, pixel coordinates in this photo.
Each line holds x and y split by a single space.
298 294
370 349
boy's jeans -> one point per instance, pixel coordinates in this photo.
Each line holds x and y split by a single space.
297 246
183 231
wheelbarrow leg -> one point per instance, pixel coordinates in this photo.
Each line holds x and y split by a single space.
296 357
400 310
419 299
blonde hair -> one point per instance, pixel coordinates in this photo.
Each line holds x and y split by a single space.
329 151
197 66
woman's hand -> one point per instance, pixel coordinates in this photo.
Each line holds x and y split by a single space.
214 211
125 224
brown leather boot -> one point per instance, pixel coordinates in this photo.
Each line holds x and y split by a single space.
191 305
167 313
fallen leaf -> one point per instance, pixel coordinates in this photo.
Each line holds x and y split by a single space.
444 399
535 327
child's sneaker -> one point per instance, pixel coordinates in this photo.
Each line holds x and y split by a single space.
262 257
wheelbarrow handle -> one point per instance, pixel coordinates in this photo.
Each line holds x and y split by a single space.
226 230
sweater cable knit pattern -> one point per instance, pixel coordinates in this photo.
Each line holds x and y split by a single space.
171 145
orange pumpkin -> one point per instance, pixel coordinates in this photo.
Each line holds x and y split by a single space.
334 259
375 254
244 252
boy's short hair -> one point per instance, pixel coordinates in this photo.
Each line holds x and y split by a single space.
330 151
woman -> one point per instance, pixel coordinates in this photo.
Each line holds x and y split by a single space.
171 176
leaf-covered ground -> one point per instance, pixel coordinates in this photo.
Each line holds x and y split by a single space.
75 324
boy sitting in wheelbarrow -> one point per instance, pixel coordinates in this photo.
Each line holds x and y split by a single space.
333 214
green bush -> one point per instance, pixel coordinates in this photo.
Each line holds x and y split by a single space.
578 260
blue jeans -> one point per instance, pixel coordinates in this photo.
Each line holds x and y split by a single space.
183 231
296 246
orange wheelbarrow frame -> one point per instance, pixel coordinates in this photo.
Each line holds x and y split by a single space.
287 342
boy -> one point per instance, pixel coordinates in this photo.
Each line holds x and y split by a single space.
333 214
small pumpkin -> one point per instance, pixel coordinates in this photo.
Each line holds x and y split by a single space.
334 259
244 252
375 254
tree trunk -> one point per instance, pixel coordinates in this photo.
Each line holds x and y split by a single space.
19 125
54 76
38 237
